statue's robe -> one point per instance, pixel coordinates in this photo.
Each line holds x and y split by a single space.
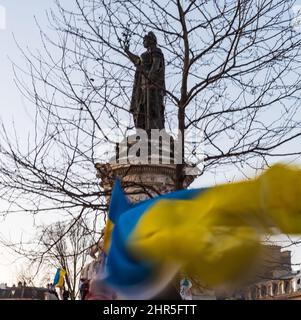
149 90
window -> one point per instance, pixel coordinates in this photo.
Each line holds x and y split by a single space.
263 291
287 286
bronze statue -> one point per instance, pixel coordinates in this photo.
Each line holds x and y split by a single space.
147 104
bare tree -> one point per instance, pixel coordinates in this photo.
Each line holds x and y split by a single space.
232 73
62 246
58 245
26 276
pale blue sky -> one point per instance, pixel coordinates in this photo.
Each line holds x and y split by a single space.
20 23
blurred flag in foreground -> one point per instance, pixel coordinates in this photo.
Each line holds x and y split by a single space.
59 278
213 234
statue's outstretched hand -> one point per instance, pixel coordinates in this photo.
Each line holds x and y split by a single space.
134 58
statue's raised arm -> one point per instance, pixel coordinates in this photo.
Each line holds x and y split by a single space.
134 58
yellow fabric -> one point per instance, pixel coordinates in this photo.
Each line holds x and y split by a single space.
217 236
107 235
60 284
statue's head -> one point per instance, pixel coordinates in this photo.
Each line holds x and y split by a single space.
149 40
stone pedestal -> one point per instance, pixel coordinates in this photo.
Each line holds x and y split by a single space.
140 182
144 174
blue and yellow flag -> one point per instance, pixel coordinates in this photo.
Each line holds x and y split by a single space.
119 204
213 234
59 278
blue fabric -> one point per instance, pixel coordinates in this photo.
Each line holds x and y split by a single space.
119 202
56 277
